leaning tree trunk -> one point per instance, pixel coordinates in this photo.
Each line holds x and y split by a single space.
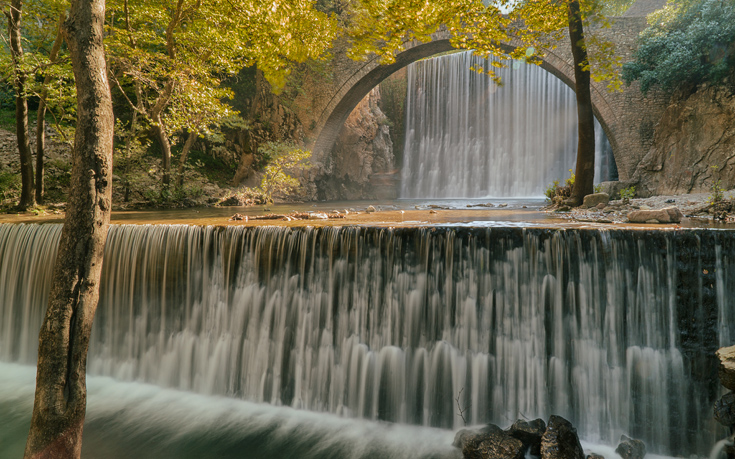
190 141
21 105
585 169
61 394
160 131
41 115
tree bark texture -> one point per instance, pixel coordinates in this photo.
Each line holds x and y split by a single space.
124 171
159 128
190 141
21 105
160 131
585 168
61 394
41 115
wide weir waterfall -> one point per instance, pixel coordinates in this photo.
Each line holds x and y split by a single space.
613 329
467 137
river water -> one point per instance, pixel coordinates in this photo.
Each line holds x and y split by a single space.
310 342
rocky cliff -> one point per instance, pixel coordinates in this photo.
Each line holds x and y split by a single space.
361 164
693 135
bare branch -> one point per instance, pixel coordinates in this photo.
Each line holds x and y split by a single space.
461 411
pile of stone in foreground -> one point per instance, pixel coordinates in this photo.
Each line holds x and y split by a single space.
557 440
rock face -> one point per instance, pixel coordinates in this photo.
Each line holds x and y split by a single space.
594 200
630 448
560 441
268 118
361 165
692 135
665 215
363 153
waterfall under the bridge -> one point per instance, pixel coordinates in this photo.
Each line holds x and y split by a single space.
467 137
615 330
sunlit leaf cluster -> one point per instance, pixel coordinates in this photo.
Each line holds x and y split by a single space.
51 81
168 59
283 162
505 29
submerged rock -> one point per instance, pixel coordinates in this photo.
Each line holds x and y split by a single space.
560 441
665 215
630 448
594 200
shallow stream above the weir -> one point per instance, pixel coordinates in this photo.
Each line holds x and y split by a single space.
521 212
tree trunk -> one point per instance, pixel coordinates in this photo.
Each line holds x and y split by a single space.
190 141
40 147
21 105
160 130
41 118
61 394
165 150
585 169
125 171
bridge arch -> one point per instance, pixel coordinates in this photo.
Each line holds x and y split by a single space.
368 74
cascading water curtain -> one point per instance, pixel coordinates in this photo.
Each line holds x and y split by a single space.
467 137
614 330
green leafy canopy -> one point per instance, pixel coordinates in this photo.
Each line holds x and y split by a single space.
506 29
687 43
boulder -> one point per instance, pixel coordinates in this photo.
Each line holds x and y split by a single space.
595 456
560 441
630 448
612 189
665 215
462 437
726 370
233 201
529 433
594 200
724 410
490 443
467 436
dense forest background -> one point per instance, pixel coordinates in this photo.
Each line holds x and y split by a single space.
204 117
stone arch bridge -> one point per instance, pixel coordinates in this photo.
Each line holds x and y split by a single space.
628 118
